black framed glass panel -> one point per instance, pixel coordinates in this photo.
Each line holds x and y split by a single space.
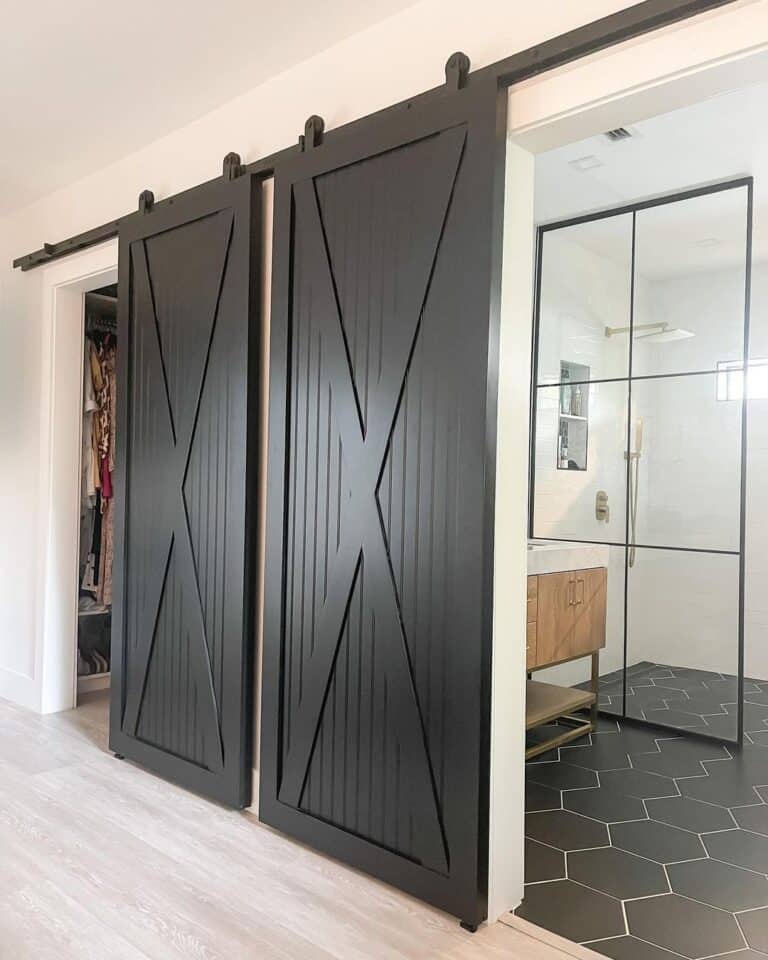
638 439
584 290
682 631
580 467
689 288
685 469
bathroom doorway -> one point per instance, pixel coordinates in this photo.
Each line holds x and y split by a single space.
646 837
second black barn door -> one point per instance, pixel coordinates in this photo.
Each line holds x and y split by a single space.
182 625
374 737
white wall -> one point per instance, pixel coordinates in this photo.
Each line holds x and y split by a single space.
507 801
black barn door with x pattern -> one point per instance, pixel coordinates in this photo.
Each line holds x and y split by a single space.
374 722
182 639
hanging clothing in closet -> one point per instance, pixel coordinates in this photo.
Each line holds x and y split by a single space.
97 508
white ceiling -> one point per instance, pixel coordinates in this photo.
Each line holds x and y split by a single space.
84 83
721 138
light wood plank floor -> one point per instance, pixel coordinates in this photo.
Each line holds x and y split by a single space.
100 860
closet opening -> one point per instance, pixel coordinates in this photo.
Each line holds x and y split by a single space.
97 501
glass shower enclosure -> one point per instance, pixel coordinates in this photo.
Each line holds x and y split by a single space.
638 441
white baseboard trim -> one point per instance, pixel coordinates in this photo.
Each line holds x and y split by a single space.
19 689
101 681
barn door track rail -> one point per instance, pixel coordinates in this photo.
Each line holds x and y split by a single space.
634 21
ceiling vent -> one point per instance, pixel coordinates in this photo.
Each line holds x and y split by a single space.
620 133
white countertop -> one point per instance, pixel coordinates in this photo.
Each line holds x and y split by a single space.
554 556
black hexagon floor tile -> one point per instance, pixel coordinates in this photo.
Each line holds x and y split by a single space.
561 776
720 725
538 734
630 948
606 725
565 830
702 701
603 754
688 748
754 818
617 873
739 847
680 719
754 714
538 797
725 791
638 704
603 804
759 697
668 765
638 739
751 764
542 862
684 926
639 806
689 814
695 672
754 925
638 783
719 884
572 911
740 955
657 841
681 683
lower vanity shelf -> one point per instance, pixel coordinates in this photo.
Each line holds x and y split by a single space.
566 621
545 702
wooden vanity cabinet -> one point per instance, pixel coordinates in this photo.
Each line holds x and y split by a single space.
566 616
531 632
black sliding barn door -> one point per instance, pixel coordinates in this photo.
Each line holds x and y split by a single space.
182 626
376 662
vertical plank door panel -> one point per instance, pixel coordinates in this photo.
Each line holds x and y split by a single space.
187 351
376 659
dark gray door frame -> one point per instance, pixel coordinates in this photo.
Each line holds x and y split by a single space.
627 24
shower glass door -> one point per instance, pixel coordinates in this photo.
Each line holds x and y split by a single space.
642 309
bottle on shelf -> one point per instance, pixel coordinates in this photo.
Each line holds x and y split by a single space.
576 401
565 391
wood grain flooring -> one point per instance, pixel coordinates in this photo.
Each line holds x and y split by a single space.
100 860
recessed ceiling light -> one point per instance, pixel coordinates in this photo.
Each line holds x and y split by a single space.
586 163
707 242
